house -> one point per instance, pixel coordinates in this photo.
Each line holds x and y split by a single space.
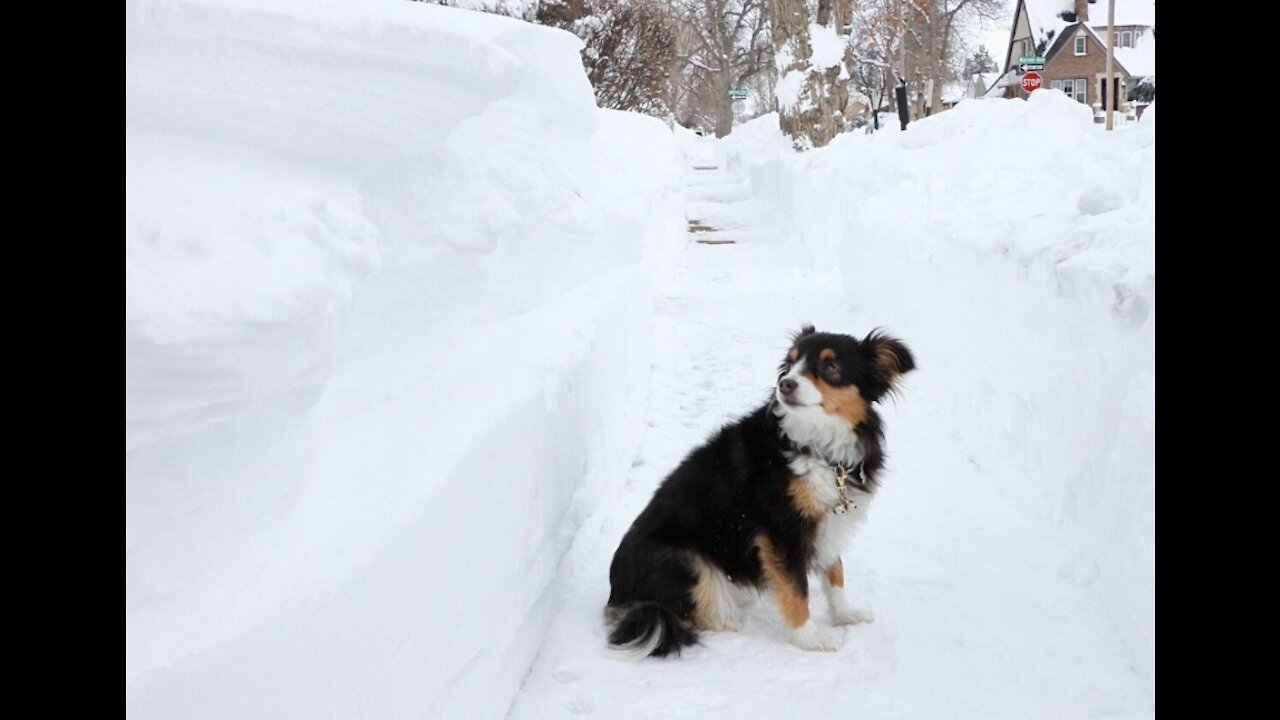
979 84
1071 35
975 86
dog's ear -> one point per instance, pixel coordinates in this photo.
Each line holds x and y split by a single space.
804 330
889 357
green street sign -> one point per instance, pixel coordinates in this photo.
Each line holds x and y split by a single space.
1031 60
738 93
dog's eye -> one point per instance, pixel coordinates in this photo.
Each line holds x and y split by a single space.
831 369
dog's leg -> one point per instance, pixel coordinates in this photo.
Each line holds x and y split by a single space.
788 585
714 604
833 587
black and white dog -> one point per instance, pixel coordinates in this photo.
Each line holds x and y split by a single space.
767 500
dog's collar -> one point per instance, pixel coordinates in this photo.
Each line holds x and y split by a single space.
843 474
854 471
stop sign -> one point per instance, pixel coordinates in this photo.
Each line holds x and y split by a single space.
1031 81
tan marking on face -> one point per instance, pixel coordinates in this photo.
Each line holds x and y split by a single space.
794 354
792 603
826 354
804 499
845 401
835 574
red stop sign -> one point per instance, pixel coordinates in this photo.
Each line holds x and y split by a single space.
1031 81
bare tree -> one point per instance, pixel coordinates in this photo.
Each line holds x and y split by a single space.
523 9
723 44
935 27
630 47
872 49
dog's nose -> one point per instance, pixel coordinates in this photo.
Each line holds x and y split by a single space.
787 386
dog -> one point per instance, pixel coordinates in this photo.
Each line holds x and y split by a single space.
769 499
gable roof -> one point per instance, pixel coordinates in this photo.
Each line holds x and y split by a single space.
1045 19
1134 62
1047 25
997 88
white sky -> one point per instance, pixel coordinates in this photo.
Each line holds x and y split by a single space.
995 35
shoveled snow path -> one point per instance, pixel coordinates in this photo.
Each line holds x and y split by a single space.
972 618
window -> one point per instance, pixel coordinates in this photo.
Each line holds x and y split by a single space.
1075 89
1080 45
1126 39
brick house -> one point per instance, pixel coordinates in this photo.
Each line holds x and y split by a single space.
1071 36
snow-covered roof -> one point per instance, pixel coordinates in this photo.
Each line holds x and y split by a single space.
1139 60
1046 22
1045 18
989 78
1128 12
996 89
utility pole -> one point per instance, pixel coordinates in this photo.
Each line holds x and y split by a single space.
1109 84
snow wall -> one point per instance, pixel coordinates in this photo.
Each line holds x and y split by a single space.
1011 243
387 336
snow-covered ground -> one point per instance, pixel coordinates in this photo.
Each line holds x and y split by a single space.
413 331
1010 557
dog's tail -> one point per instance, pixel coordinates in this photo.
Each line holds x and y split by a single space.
648 629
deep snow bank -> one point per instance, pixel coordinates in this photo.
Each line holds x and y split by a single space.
1012 244
386 320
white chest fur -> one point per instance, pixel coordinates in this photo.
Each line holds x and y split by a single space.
835 530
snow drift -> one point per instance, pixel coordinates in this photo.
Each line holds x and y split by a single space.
386 321
1012 243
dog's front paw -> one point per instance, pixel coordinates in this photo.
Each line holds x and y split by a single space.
852 616
811 637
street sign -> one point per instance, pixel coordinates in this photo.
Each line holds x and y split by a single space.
1030 67
1031 82
1032 59
738 93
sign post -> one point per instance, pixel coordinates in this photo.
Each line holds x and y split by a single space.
1031 82
900 96
737 93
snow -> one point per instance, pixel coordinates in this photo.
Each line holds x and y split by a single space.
1045 17
954 92
789 88
1139 60
997 88
413 331
828 46
1048 267
387 336
1128 12
1011 244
